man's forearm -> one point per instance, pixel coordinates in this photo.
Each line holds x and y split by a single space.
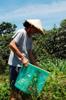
33 60
15 49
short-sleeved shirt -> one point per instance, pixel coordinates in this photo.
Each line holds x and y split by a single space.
24 43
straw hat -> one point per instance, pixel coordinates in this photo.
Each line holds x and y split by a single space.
36 23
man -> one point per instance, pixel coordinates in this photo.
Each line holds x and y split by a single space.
21 50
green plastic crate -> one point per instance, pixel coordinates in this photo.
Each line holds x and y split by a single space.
31 79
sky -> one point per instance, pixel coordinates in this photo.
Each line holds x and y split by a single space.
50 12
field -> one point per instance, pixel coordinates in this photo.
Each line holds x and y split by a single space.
55 87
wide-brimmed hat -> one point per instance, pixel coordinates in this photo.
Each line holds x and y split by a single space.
36 23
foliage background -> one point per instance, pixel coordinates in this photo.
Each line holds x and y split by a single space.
47 50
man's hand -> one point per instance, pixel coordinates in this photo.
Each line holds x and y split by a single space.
24 60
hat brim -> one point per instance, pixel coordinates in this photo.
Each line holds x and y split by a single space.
40 31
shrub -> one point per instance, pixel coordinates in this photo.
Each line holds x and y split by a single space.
4 91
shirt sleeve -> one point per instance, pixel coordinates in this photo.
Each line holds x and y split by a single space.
18 38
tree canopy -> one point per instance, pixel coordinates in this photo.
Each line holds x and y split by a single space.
6 27
63 24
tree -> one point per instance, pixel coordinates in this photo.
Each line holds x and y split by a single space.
56 43
63 24
6 27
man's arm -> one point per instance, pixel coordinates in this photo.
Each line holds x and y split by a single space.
32 58
21 56
14 48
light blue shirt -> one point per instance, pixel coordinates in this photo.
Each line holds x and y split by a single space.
24 43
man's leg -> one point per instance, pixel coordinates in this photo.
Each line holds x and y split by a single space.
13 76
